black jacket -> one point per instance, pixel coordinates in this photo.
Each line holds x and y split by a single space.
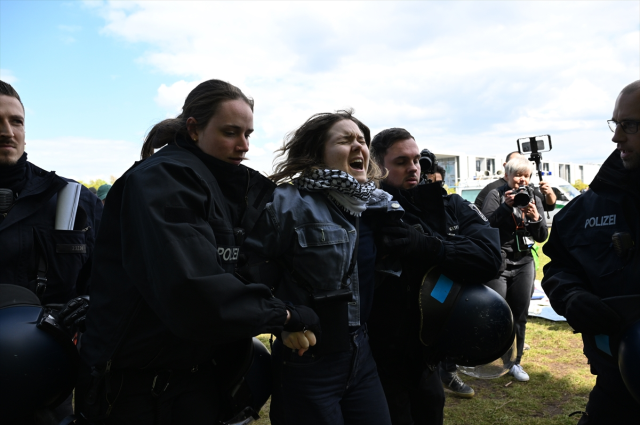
34 211
163 281
506 219
471 253
581 249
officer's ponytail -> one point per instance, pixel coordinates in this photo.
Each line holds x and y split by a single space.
200 104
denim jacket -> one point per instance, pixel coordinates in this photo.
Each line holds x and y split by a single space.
305 231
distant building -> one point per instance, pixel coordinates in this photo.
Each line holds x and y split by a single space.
461 166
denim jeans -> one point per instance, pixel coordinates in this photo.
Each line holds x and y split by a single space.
334 389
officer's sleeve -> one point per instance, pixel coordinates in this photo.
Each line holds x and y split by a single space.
266 243
563 275
165 227
474 254
497 212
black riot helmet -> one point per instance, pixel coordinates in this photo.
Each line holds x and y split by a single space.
244 372
38 360
470 324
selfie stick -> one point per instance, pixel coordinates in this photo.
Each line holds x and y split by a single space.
535 155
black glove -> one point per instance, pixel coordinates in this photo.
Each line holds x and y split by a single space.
586 313
402 239
72 315
303 318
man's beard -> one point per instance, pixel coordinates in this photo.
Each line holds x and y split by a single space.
8 162
632 162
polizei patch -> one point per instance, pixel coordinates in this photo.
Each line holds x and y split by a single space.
228 254
605 220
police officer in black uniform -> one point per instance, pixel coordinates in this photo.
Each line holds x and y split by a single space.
456 237
167 306
54 264
594 256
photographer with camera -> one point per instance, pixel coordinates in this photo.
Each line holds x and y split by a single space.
544 191
519 215
437 229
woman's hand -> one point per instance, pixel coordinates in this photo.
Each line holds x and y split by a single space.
531 211
509 195
300 341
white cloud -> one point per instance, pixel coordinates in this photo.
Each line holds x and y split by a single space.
469 76
7 76
83 158
172 97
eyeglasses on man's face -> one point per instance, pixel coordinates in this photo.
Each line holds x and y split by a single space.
628 126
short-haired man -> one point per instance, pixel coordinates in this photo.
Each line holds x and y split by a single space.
594 256
458 239
544 191
28 197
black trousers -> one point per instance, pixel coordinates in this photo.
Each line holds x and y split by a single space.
515 284
414 393
181 397
610 402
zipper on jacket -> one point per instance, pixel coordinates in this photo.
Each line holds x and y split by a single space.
246 193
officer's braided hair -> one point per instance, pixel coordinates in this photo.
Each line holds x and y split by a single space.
7 89
201 104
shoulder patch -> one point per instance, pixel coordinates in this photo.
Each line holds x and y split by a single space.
477 210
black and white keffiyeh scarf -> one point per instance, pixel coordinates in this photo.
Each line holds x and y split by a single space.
344 190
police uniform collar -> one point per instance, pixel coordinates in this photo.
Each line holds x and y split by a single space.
14 176
613 178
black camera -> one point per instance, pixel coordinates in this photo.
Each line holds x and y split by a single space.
523 196
428 162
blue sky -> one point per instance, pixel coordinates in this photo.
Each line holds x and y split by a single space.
463 77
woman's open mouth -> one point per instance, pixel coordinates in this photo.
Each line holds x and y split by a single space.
357 164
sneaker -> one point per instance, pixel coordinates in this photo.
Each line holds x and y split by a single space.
452 382
518 372
526 347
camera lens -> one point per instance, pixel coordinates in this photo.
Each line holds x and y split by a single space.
522 198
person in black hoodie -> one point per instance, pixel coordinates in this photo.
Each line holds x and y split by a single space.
28 199
519 228
594 256
458 239
167 303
